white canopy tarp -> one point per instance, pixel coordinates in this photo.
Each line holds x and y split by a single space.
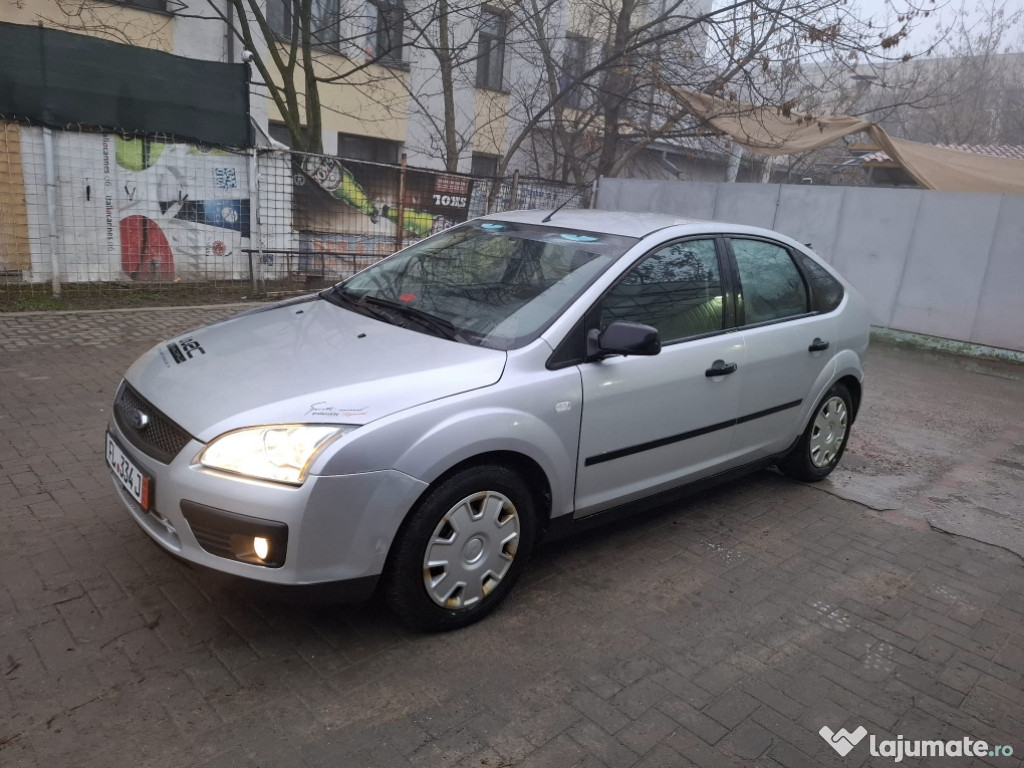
767 131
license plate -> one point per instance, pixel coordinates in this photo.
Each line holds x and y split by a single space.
135 481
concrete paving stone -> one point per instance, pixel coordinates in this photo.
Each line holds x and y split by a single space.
935 650
595 680
732 708
663 756
647 732
993 709
602 745
718 678
920 680
448 749
681 687
559 752
636 698
630 670
696 750
548 723
988 667
693 721
771 696
789 756
598 711
748 741
756 593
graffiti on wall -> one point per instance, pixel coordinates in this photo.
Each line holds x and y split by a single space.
347 212
139 210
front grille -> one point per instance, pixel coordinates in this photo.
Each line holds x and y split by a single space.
160 438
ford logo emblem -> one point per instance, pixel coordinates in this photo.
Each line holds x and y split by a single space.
140 420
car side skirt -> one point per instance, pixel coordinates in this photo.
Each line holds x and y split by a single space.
566 525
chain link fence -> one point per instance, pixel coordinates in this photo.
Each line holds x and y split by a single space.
103 219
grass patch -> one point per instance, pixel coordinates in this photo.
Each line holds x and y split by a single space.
23 297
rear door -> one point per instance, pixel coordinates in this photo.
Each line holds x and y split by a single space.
789 347
650 423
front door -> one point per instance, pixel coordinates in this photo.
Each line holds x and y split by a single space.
651 423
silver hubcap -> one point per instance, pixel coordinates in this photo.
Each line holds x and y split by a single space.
471 550
828 432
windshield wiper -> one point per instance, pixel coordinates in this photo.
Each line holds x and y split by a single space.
438 325
393 312
337 296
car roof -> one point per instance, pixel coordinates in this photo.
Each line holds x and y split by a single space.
625 223
637 224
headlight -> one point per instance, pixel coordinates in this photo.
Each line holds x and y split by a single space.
281 453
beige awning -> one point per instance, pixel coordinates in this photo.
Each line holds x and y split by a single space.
767 131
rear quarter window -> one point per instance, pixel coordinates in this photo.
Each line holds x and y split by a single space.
826 291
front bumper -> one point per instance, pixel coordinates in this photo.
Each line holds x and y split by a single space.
338 527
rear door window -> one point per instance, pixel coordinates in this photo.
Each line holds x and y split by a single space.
772 287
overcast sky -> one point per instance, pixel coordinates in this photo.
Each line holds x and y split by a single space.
943 14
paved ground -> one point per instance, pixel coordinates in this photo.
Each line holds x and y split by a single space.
725 631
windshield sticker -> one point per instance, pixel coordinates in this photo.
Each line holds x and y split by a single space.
324 410
184 350
407 297
579 238
493 226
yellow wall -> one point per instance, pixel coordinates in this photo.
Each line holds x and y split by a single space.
112 22
491 123
372 102
15 249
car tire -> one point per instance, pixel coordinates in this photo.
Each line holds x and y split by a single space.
461 550
823 441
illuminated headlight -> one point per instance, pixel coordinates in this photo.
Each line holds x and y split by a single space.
281 453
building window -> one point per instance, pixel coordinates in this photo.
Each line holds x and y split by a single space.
279 132
353 147
574 64
279 17
387 22
149 5
484 166
490 62
324 18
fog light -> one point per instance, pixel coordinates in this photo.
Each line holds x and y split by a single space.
261 547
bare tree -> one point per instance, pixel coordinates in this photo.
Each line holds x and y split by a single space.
606 77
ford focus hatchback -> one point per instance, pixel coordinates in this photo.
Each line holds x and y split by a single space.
417 427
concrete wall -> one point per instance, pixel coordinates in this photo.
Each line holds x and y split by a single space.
946 264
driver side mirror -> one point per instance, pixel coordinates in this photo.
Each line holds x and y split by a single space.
622 338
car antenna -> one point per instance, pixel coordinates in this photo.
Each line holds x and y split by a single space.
568 200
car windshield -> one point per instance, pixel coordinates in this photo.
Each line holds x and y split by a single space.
493 283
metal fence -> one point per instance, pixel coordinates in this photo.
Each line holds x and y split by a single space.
124 219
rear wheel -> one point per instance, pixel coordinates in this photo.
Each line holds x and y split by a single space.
824 440
462 549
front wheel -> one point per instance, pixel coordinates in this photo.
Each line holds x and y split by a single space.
462 549
822 444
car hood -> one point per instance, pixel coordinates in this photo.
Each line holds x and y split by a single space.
305 362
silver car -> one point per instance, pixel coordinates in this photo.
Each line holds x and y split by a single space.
416 428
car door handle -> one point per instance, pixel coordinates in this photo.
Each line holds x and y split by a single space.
720 368
818 345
